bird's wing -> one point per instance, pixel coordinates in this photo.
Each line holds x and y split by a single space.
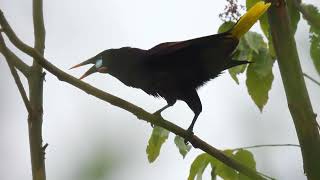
167 48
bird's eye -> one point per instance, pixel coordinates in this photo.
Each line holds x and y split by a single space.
98 63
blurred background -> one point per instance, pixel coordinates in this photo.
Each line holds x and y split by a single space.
91 139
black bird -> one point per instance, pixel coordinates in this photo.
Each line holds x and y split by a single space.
175 70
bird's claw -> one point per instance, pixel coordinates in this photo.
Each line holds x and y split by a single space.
152 125
157 113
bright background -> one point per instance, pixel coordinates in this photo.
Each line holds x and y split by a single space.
87 136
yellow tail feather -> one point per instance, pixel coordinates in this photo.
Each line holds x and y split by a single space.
248 19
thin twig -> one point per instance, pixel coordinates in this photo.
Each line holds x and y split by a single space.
267 145
311 78
17 62
137 111
15 74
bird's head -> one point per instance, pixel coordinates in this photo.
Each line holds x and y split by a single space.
115 62
99 64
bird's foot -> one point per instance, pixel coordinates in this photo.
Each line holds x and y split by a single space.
157 113
189 136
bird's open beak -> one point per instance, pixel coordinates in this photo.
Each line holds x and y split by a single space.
90 71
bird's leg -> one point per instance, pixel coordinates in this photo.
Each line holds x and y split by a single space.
190 129
193 101
158 112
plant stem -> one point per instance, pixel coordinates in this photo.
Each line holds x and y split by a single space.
35 81
297 95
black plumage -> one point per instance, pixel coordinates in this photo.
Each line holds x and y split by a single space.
171 70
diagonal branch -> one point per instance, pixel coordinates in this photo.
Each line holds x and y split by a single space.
6 53
137 111
15 60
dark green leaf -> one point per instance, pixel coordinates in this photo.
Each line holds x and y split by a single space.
198 166
294 15
315 51
183 148
313 20
158 137
225 26
213 172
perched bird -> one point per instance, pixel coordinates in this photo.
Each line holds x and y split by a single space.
175 70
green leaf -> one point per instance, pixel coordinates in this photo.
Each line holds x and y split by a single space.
158 137
315 51
260 77
225 26
255 41
243 52
213 172
314 22
246 158
294 15
249 43
183 148
198 166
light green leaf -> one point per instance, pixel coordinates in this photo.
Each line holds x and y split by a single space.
294 15
254 40
249 43
183 148
243 52
198 166
247 159
158 137
259 82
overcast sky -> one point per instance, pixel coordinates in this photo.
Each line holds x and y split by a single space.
78 126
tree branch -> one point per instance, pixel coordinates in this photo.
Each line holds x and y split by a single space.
35 81
297 95
6 53
15 60
137 111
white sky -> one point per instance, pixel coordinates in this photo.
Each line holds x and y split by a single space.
76 125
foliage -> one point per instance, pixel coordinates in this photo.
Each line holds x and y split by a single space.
313 20
158 137
259 74
218 168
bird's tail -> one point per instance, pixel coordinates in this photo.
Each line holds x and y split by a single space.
248 19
